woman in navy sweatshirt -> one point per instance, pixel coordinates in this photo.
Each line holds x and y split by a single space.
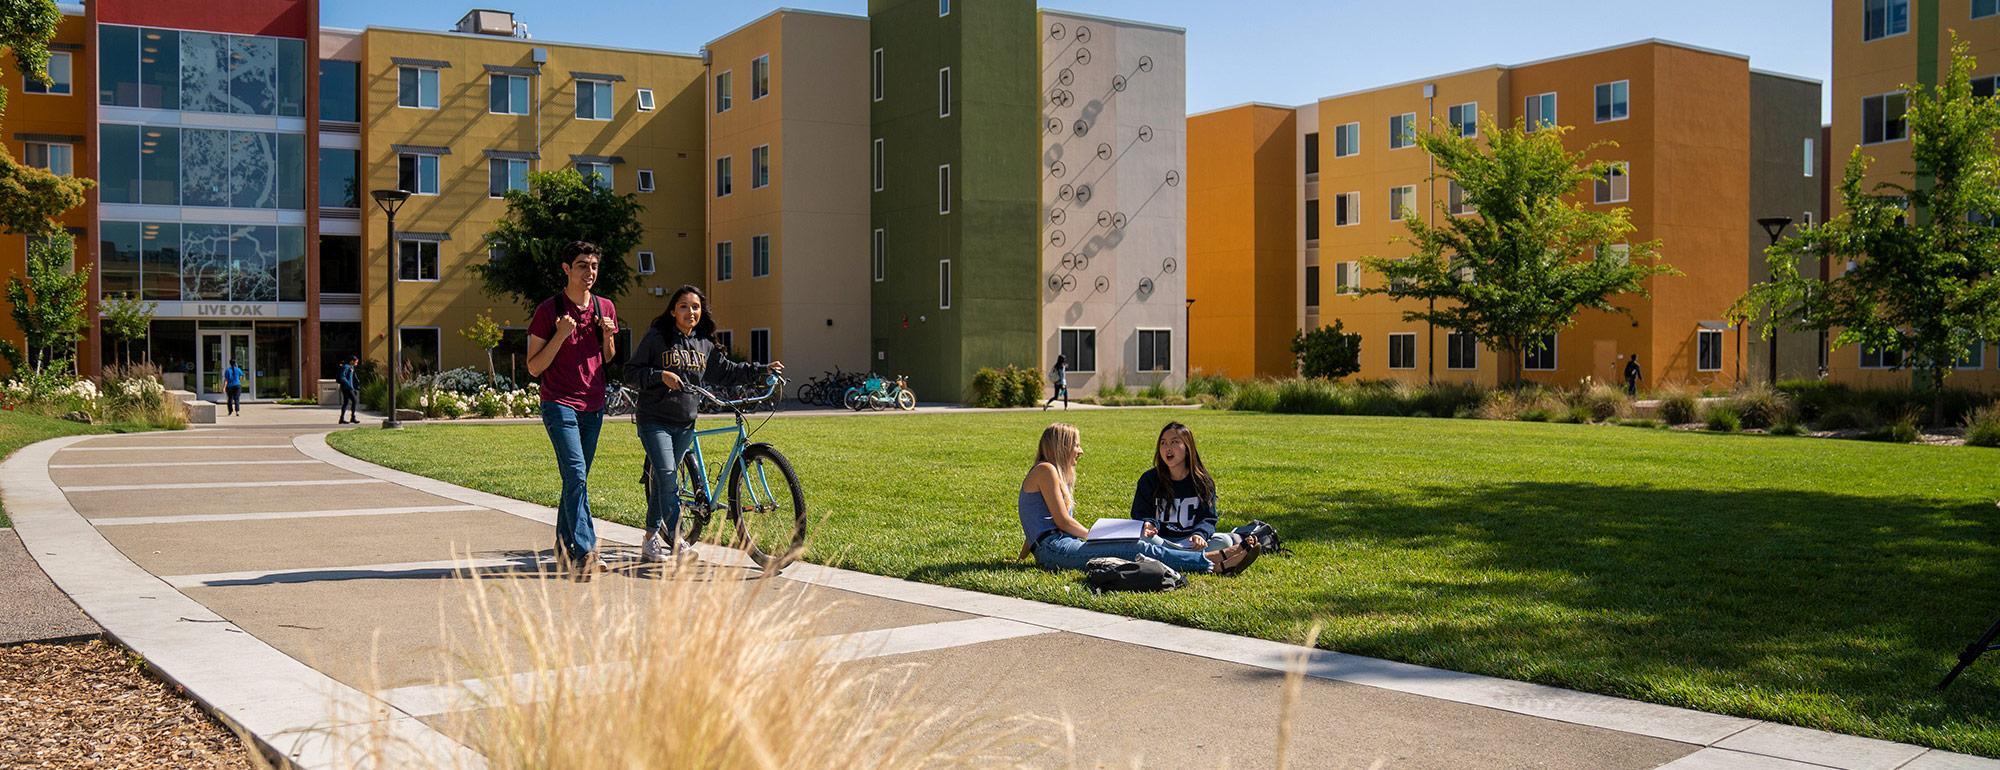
1178 496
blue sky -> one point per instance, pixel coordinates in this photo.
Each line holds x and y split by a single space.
1284 51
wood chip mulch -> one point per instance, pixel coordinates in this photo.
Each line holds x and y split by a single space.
88 704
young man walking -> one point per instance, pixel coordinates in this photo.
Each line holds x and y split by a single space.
1632 375
232 383
570 338
350 394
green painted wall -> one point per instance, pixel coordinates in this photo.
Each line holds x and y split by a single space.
991 234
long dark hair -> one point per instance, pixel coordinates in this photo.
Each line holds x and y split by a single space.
1204 485
664 322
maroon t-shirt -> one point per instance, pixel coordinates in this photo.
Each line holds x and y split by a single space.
576 377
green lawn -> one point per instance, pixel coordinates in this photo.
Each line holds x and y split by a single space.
1821 583
18 429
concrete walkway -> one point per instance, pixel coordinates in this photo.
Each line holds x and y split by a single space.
296 592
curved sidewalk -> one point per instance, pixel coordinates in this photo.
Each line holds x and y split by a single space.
250 565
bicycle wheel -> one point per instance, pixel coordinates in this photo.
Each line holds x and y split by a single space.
770 508
693 492
853 400
906 400
808 393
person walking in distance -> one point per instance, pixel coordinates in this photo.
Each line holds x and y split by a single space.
570 339
1632 375
232 383
1059 377
350 394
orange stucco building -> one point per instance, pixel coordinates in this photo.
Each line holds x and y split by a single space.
50 127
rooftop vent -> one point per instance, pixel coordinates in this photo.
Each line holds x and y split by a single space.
480 21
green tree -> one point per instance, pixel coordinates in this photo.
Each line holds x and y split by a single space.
1529 261
31 198
126 318
487 334
48 307
1327 351
1924 255
559 207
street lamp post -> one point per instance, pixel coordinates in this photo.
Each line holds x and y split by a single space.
1775 226
390 201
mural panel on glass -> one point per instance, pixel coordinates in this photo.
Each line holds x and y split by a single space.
204 72
252 165
253 264
253 75
204 167
204 262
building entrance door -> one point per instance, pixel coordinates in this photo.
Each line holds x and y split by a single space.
219 350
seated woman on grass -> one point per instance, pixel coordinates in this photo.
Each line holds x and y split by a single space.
1177 496
1051 532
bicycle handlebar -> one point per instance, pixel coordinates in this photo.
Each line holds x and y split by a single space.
773 385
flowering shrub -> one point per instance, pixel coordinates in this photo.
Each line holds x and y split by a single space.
465 381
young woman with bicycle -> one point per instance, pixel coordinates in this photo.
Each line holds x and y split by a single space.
1051 532
678 351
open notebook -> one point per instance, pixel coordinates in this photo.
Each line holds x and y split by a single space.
1116 529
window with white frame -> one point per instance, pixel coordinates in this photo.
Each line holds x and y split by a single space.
760 346
725 340
496 253
1884 18
1614 101
875 76
645 99
1984 8
647 264
1346 209
1540 355
1805 219
507 94
875 169
724 96
1882 118
645 180
59 77
1312 288
417 173
593 99
724 181
1401 199
944 92
944 8
503 174
1615 186
1079 349
1619 254
1461 351
1877 358
1708 350
881 254
760 166
1402 130
1540 111
1403 350
1347 277
1464 119
760 256
598 174
760 77
1455 201
53 157
417 261
725 260
944 189
944 284
1156 350
1810 158
1346 140
417 87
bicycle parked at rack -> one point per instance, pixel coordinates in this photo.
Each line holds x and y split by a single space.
766 505
619 400
878 395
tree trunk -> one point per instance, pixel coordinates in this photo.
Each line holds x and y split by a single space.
492 374
1937 396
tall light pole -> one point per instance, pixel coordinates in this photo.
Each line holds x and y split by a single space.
1775 226
390 201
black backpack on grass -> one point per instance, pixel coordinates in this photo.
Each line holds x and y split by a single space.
1267 537
1107 573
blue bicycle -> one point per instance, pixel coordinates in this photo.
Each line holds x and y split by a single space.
767 505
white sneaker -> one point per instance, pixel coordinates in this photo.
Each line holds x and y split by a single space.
655 550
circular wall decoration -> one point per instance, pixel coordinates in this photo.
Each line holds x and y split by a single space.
1104 151
1056 216
1055 282
1056 238
1066 76
1145 64
1055 125
1081 127
1083 56
1068 283
1083 193
1103 219
1056 31
1173 179
1082 262
1145 286
1169 265
1056 169
1069 260
1117 221
1061 97
1065 192
1145 133
1103 284
1118 83
1082 34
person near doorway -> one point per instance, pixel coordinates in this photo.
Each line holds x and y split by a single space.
350 394
232 383
1059 379
570 339
1632 375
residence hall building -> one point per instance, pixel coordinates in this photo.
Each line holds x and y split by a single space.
1287 201
49 127
1881 47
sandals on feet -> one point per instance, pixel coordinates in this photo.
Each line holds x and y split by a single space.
1237 558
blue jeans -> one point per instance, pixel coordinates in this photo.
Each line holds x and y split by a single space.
664 448
1064 551
1216 542
574 435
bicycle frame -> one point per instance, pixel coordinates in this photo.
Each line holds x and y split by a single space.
761 485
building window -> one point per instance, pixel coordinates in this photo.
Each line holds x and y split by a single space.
1984 8
875 77
760 77
59 77
725 340
1079 348
339 178
58 159
1346 140
760 256
724 97
1708 350
593 100
760 346
1312 288
1540 355
725 258
493 253
1402 130
724 184
418 262
1619 254
1974 357
1403 350
1401 199
944 92
507 95
419 348
645 180
1614 101
1455 199
1986 86
881 254
645 100
760 166
647 264
944 8
339 90
417 87
1347 278
1541 111
1312 153
1461 351
1346 209
875 169
1809 157
1464 119
503 174
1312 219
598 174
1876 358
1615 185
1883 18
1156 350
944 189
417 173
944 284
1882 118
